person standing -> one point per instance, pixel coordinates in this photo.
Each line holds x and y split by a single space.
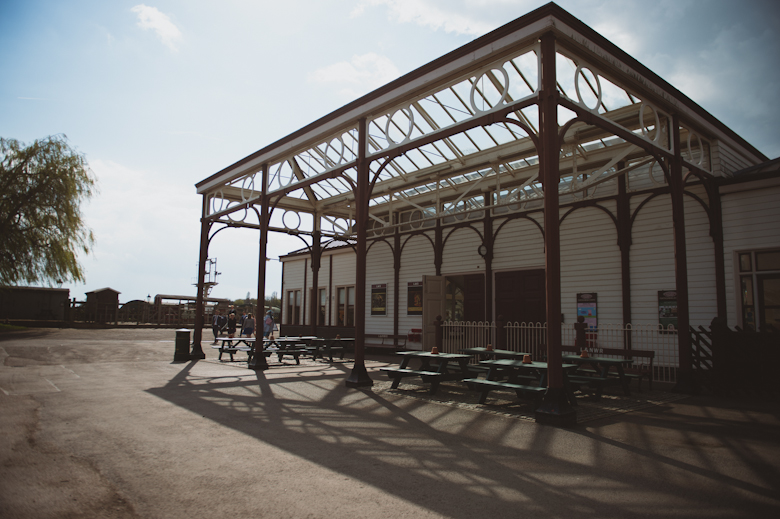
241 324
217 324
249 326
268 324
231 326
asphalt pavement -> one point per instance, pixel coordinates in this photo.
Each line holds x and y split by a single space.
105 424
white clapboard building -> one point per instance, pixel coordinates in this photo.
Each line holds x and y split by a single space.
533 175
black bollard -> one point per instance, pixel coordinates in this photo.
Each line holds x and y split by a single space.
182 345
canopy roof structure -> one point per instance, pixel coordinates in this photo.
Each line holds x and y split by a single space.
468 123
541 112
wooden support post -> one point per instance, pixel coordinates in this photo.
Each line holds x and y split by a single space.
359 376
259 361
685 379
316 260
624 243
197 336
487 232
555 408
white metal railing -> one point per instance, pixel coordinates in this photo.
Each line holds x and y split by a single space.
532 338
457 335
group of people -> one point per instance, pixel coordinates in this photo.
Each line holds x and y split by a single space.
245 325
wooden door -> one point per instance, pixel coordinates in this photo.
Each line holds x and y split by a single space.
434 288
520 296
474 297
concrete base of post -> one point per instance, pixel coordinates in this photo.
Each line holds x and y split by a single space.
359 377
258 362
556 410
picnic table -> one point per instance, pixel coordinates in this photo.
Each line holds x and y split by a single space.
598 375
524 378
281 346
231 348
434 367
484 353
319 347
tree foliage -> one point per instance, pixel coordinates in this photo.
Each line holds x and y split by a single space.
41 230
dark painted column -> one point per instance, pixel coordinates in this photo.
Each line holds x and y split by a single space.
302 318
197 336
396 277
716 232
685 380
487 232
259 361
359 376
624 243
555 408
438 245
316 259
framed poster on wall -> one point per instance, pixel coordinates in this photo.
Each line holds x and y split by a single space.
587 307
667 308
379 299
414 298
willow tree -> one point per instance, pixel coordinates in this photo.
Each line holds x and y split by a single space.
41 228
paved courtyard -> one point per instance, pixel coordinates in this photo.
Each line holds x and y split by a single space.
103 423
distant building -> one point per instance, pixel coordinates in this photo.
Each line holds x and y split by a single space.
34 303
102 305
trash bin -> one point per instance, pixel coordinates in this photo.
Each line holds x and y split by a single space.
182 345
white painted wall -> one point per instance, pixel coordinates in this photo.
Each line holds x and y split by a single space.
652 260
751 221
379 270
519 245
417 261
590 257
460 252
590 262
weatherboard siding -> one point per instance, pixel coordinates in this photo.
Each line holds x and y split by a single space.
590 262
417 261
379 270
749 223
652 259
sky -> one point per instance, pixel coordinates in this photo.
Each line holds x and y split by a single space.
161 95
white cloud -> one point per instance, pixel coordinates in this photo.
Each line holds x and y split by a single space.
151 18
359 75
437 14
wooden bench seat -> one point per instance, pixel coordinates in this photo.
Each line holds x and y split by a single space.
230 350
292 352
486 386
636 371
428 376
385 343
326 347
399 372
474 369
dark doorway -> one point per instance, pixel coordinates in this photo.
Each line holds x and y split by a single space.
520 296
465 298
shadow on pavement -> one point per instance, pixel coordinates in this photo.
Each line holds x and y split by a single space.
462 464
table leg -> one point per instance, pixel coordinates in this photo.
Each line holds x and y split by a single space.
464 367
397 378
569 390
623 379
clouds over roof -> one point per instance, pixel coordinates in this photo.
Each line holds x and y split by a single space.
359 75
149 18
